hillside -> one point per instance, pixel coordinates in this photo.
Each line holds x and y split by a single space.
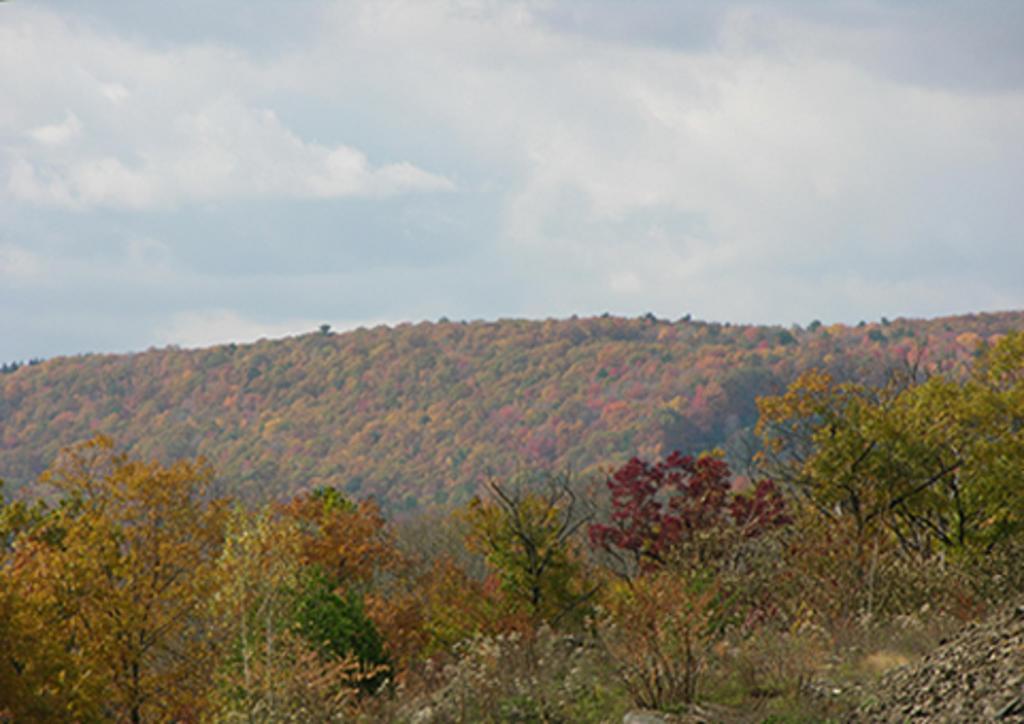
420 414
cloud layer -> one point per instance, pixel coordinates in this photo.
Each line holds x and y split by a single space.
408 159
146 128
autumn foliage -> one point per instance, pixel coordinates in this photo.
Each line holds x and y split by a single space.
114 583
420 415
661 509
131 590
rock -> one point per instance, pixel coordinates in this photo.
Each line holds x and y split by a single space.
977 675
690 714
423 716
1014 708
643 716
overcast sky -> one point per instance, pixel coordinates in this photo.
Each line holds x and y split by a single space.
197 172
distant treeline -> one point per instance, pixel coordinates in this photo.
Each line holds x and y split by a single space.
420 415
8 367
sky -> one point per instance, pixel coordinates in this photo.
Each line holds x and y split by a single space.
197 172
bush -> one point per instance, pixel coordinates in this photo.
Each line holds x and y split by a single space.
658 632
514 677
337 627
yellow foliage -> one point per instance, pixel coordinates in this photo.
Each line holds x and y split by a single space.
117 580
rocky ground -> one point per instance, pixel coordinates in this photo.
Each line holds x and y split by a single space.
976 676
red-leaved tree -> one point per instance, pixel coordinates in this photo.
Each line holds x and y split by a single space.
676 505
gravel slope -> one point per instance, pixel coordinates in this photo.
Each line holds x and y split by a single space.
977 676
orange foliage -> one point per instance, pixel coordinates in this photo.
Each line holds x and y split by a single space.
416 413
348 541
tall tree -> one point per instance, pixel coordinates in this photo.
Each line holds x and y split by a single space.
298 648
119 576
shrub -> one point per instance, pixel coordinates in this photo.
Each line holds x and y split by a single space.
658 632
513 677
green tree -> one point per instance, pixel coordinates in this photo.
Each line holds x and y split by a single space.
298 648
336 625
938 463
530 539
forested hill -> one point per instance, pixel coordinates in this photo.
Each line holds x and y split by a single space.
424 413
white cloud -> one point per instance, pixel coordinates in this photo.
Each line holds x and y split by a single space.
57 134
181 125
222 151
114 92
228 150
780 153
787 163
